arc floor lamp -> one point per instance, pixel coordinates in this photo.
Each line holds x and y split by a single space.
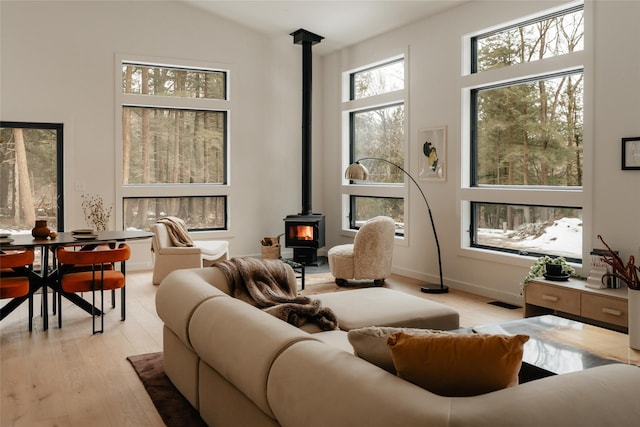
357 171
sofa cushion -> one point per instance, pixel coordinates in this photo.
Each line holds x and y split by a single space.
212 249
385 307
341 261
313 384
458 364
241 342
181 365
336 338
370 343
182 292
568 400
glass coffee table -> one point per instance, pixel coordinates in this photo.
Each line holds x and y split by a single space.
559 346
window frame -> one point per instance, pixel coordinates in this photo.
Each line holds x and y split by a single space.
59 129
352 76
473 119
172 190
353 223
473 233
350 107
554 196
554 13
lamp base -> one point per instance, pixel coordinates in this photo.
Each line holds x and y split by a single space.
434 290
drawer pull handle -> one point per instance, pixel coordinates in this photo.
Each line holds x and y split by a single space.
611 311
550 298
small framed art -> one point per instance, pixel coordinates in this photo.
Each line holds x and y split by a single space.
631 153
433 156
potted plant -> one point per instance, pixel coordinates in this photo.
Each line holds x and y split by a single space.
551 266
629 273
95 212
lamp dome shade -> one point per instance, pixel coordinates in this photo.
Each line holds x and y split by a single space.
357 172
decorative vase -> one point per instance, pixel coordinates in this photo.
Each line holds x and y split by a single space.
634 318
40 231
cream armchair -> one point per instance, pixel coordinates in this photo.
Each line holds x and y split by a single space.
168 257
369 256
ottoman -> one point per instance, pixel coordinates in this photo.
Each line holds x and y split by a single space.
385 307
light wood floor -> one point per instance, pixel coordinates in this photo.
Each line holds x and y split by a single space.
68 377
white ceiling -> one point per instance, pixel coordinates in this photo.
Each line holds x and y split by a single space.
341 23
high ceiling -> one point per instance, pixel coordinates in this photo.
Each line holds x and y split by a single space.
342 23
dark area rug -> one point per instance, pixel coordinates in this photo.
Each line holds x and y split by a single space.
173 408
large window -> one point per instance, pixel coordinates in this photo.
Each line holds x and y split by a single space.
530 132
174 144
375 118
527 229
524 192
551 35
30 176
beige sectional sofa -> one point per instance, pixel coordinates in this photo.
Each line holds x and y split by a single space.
239 366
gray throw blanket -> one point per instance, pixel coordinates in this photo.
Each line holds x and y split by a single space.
177 229
264 284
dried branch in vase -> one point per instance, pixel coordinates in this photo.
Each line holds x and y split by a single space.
95 213
627 273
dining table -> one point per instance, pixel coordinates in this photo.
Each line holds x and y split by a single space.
46 276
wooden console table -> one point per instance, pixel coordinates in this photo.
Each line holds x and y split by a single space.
572 299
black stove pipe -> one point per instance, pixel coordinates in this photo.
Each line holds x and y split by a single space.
306 39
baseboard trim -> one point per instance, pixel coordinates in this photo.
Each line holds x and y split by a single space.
515 299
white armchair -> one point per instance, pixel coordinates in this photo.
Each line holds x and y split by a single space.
369 256
168 257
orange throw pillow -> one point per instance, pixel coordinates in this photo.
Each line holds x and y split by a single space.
458 364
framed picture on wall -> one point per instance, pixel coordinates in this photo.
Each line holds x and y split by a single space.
433 156
631 153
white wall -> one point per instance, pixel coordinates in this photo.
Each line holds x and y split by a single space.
617 115
435 64
58 66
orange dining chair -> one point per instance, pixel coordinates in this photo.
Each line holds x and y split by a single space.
14 277
78 267
98 273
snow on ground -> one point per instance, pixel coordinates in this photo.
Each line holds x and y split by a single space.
564 238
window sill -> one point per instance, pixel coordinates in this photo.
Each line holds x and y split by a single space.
501 258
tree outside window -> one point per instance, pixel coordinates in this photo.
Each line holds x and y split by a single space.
174 145
530 133
377 129
30 175
527 134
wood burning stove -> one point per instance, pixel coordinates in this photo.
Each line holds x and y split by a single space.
305 234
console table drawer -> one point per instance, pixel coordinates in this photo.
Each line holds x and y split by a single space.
604 309
553 297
